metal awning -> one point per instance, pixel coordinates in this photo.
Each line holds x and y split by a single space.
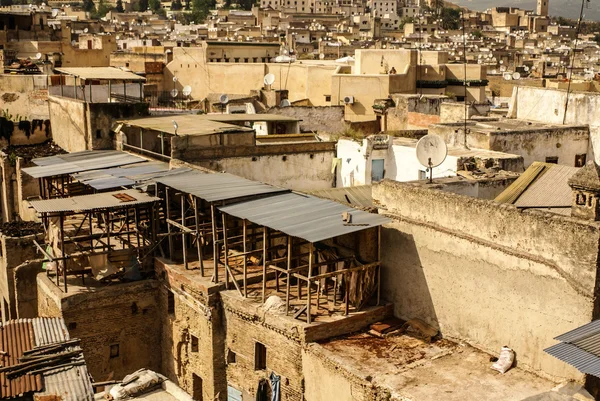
101 73
217 187
80 161
580 348
125 176
304 216
187 124
108 200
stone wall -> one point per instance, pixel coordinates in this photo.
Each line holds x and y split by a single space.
124 316
319 120
486 273
25 96
26 294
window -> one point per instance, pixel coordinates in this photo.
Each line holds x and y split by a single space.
197 387
98 134
580 160
246 60
194 343
114 350
72 326
552 159
328 98
236 59
171 303
260 356
231 356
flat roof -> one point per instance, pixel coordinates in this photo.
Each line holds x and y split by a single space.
249 117
303 216
101 73
188 124
108 200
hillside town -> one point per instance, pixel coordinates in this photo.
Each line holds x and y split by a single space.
299 200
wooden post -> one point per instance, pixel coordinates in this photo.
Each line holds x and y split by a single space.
167 201
109 90
90 91
289 266
107 219
310 266
91 236
75 87
63 262
245 258
198 237
127 227
183 245
379 266
264 281
226 250
347 295
214 238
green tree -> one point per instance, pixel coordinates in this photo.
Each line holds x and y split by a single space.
438 6
102 9
176 5
154 5
450 18
88 5
404 21
119 6
477 34
141 5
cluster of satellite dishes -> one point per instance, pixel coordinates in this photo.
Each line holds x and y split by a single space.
186 91
431 152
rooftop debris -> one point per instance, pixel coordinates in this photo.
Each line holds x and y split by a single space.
34 151
21 228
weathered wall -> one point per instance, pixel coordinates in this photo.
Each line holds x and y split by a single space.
125 315
26 294
24 95
487 273
548 106
320 120
195 314
85 126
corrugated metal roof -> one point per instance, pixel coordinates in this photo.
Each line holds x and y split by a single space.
304 216
360 196
80 162
101 73
217 187
89 202
70 383
17 336
124 176
580 347
516 189
550 189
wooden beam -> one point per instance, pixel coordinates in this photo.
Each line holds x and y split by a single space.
289 266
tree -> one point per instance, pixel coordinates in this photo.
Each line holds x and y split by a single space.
141 5
438 6
176 5
119 8
187 5
88 5
477 34
450 18
154 5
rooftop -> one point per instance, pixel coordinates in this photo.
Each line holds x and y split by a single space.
412 369
101 73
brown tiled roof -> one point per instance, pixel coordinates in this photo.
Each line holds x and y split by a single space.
17 336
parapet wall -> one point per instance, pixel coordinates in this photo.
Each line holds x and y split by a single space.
486 273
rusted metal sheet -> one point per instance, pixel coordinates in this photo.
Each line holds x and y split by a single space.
81 203
17 336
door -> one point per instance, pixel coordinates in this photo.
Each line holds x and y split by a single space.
377 170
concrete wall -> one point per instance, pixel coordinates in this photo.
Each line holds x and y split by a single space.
320 120
86 126
487 273
24 95
548 105
123 314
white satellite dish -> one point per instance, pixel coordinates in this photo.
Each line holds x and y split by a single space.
516 75
285 103
174 79
526 68
269 79
85 30
73 42
501 62
223 99
502 68
494 72
38 56
187 90
321 56
174 92
507 76
431 152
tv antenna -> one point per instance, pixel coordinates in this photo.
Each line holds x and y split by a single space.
431 152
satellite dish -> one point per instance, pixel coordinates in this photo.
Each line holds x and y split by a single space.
494 72
187 90
38 56
285 103
73 42
224 99
174 79
516 75
174 92
431 152
526 68
502 68
501 62
507 76
269 79
321 56
85 30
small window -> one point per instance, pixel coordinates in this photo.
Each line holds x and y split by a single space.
194 343
114 350
260 356
171 303
580 199
552 159
236 59
231 356
126 64
328 98
580 160
98 134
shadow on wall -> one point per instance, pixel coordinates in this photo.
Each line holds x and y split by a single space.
24 132
403 278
